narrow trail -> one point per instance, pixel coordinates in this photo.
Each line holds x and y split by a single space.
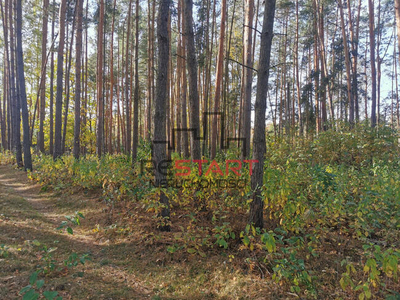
28 222
14 183
128 260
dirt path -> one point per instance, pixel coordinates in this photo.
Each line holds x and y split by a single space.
28 222
129 259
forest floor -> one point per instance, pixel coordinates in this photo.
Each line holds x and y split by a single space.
119 267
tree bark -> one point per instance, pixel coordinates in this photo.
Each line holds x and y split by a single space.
110 112
100 70
60 59
372 58
179 62
128 133
397 12
159 149
16 108
324 72
22 90
316 70
136 90
185 135
347 63
78 49
5 126
51 134
248 76
43 79
3 143
259 139
297 66
218 81
85 103
149 72
191 63
354 48
67 82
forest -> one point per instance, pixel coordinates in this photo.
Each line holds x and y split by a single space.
215 149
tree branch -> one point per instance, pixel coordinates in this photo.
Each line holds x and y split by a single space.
242 64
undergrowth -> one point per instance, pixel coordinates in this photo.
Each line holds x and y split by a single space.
332 208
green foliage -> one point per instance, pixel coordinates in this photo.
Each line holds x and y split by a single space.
223 234
339 178
74 259
377 265
36 286
345 182
193 241
6 157
289 266
71 220
4 251
35 289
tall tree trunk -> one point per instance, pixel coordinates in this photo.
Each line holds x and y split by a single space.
22 90
397 12
191 63
51 134
68 84
15 113
259 139
226 84
118 104
159 149
185 135
128 133
208 120
366 80
378 65
123 90
397 87
78 49
179 62
218 81
43 78
85 104
6 134
149 71
100 70
248 75
60 60
136 90
168 108
347 63
372 59
3 142
297 66
354 48
316 69
110 112
324 85
206 79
